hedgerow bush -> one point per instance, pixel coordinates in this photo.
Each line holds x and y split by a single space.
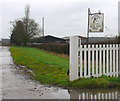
53 47
64 48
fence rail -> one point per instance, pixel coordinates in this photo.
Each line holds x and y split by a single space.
93 60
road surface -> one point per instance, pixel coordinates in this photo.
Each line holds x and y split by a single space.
16 85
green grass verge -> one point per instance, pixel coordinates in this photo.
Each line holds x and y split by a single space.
51 69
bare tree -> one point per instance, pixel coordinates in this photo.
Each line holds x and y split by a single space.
24 29
27 16
31 27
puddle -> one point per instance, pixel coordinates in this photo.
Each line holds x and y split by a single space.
94 94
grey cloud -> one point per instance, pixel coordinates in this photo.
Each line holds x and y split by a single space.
61 18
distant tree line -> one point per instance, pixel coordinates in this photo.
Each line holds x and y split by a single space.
119 39
24 29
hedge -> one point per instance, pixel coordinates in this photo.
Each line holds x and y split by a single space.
53 47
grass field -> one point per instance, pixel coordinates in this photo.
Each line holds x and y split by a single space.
52 69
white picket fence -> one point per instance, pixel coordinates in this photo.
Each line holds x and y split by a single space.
92 60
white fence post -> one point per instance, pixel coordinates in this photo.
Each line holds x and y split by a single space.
117 58
110 60
89 61
114 59
100 60
85 62
96 61
104 59
107 64
73 58
93 61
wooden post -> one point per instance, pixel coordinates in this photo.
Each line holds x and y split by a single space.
110 61
100 60
89 61
117 62
104 59
107 64
73 58
96 60
85 61
93 61
114 59
118 59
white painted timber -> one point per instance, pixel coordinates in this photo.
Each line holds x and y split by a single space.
73 58
93 60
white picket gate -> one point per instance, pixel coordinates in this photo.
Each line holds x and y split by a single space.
92 60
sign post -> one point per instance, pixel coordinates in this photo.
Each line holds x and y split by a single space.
95 22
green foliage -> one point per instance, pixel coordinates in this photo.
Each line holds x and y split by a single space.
57 48
24 29
101 82
52 69
18 34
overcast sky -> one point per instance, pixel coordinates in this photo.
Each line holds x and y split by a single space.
62 17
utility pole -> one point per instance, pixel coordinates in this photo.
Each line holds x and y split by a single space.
88 26
43 26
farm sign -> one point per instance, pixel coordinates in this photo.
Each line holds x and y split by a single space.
96 21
